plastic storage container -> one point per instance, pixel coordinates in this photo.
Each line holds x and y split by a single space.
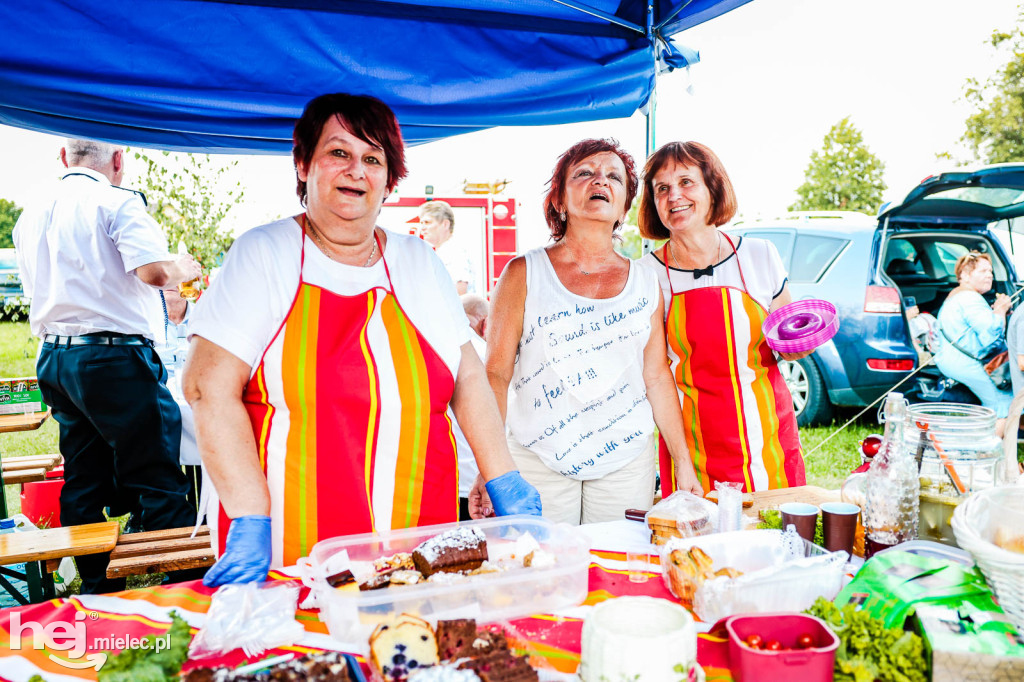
781 572
488 597
807 665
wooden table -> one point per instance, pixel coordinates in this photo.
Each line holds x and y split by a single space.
13 423
35 547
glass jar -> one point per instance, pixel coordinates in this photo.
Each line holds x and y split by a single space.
966 435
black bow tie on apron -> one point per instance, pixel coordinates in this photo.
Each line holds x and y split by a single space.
700 272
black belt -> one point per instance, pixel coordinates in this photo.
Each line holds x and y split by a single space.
98 339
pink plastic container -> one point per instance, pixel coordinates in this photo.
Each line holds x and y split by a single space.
807 665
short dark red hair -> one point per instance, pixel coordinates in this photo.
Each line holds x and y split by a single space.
573 155
723 198
364 116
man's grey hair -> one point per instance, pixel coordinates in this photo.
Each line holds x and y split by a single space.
439 210
86 152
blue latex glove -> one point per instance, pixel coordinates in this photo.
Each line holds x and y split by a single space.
247 553
511 494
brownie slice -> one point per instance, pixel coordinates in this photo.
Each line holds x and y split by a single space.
501 666
458 549
488 641
455 638
329 666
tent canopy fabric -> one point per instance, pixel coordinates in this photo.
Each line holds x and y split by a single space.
232 75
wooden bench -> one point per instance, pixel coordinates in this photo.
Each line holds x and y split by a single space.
35 548
160 551
47 462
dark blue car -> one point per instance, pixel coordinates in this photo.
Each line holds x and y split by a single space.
874 269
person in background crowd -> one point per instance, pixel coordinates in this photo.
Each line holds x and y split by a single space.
437 224
89 258
740 424
476 309
324 359
1015 347
969 328
576 331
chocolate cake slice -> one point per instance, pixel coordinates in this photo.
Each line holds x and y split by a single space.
501 666
458 549
455 638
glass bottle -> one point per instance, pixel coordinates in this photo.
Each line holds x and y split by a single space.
892 497
188 290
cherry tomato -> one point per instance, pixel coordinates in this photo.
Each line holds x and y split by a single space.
773 645
804 642
754 641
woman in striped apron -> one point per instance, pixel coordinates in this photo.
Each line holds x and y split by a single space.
737 411
325 356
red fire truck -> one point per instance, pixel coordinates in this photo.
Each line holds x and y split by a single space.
485 226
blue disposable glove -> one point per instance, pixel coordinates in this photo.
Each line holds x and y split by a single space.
246 557
511 494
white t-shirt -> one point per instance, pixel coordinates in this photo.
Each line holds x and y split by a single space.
763 271
247 302
77 254
457 263
578 398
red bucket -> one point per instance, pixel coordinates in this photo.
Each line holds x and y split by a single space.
40 502
813 664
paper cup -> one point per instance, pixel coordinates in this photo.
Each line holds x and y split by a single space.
803 516
839 523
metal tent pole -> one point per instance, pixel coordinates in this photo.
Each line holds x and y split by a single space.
646 245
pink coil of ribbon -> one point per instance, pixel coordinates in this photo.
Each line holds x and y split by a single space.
804 325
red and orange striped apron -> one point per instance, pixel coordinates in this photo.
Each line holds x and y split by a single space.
348 406
737 411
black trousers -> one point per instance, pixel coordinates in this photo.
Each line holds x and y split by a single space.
120 432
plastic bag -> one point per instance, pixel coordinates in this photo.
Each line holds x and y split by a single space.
251 617
690 515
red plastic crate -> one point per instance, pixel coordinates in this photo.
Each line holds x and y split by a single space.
807 665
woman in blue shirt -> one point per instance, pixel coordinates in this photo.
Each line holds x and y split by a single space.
970 329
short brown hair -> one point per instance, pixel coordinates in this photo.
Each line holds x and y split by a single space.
723 198
966 263
366 117
574 154
440 211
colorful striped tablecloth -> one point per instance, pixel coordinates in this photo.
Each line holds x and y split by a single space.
552 640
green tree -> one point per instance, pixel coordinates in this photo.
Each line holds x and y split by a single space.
9 212
190 195
995 131
843 176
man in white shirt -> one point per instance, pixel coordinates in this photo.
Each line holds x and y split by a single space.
437 224
477 310
90 257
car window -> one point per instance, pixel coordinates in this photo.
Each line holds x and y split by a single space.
783 240
943 256
946 256
813 255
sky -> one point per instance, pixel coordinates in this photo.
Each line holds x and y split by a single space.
774 77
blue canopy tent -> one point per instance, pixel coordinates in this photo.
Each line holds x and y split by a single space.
232 75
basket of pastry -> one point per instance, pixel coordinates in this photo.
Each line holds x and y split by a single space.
749 572
990 525
408 648
500 567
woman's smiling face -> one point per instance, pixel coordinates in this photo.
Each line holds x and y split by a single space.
681 196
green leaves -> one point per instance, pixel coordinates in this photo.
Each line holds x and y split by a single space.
148 664
9 214
868 650
843 176
190 195
995 131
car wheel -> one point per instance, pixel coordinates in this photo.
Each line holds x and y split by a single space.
810 400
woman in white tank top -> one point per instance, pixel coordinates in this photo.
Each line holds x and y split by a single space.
576 351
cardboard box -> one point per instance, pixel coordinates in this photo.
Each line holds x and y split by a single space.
20 395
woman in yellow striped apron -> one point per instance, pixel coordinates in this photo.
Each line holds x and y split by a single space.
325 356
737 411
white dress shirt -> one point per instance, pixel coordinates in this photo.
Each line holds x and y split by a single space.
77 255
